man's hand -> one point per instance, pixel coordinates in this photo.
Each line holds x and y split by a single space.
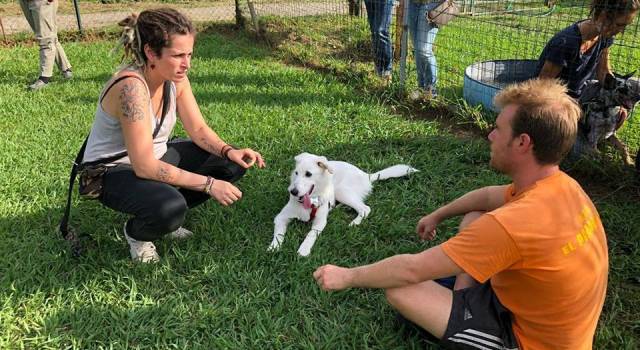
331 277
426 227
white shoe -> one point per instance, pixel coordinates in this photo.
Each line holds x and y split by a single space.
416 95
140 250
180 233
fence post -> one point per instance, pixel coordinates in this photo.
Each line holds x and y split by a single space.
239 18
4 36
397 47
77 9
254 17
404 43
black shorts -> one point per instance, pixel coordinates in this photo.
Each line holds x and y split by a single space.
478 321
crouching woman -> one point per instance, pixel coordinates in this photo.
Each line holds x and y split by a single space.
159 180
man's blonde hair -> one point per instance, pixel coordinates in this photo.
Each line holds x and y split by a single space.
546 113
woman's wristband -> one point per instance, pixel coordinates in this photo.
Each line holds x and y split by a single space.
207 185
225 151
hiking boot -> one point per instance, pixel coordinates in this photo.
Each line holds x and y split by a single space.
141 251
67 74
180 233
37 85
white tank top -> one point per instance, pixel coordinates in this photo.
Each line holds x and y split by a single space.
106 138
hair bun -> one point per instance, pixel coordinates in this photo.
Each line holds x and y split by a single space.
129 21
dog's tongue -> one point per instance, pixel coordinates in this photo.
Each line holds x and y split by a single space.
306 201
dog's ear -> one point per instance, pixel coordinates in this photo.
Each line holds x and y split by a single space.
628 75
302 156
610 81
323 163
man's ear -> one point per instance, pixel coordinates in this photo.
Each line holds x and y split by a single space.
525 142
323 163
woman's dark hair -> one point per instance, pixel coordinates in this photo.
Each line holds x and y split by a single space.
154 28
613 8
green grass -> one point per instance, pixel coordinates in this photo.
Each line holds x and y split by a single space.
222 289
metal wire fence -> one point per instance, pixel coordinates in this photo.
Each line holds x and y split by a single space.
489 43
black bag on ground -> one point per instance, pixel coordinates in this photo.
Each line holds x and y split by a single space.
91 173
443 13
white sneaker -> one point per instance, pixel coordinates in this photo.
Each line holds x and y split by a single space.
140 250
67 74
416 95
180 233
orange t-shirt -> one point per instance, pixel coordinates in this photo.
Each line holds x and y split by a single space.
545 251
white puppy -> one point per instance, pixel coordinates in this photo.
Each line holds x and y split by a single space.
316 185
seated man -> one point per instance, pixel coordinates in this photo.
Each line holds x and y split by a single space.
536 247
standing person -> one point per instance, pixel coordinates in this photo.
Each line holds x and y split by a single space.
41 15
159 180
423 35
379 16
536 247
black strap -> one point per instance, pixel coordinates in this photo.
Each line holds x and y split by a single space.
64 223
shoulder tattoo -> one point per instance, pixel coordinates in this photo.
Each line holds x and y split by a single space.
130 97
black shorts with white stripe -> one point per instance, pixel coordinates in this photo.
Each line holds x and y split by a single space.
478 321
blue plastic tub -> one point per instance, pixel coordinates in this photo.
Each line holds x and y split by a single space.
483 80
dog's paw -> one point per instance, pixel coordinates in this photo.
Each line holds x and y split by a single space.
274 246
361 215
304 251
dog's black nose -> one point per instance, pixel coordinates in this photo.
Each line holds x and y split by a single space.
294 191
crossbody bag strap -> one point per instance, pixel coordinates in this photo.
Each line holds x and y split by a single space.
64 222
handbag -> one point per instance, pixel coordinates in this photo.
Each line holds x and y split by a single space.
443 13
90 182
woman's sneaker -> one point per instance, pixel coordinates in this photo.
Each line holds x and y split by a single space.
180 233
140 250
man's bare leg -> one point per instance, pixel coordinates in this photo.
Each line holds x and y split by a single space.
426 304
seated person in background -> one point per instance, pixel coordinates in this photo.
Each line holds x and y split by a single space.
537 246
581 51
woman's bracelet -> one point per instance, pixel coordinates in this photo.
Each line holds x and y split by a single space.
207 185
225 151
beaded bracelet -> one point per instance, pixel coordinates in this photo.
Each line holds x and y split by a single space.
207 185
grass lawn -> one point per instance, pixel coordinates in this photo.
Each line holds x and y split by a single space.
221 288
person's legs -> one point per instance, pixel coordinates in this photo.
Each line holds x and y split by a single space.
426 304
43 13
186 155
60 56
424 36
157 208
379 14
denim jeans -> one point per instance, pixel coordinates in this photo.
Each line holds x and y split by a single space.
424 35
379 17
157 207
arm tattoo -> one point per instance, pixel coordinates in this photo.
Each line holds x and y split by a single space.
209 147
130 95
163 174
